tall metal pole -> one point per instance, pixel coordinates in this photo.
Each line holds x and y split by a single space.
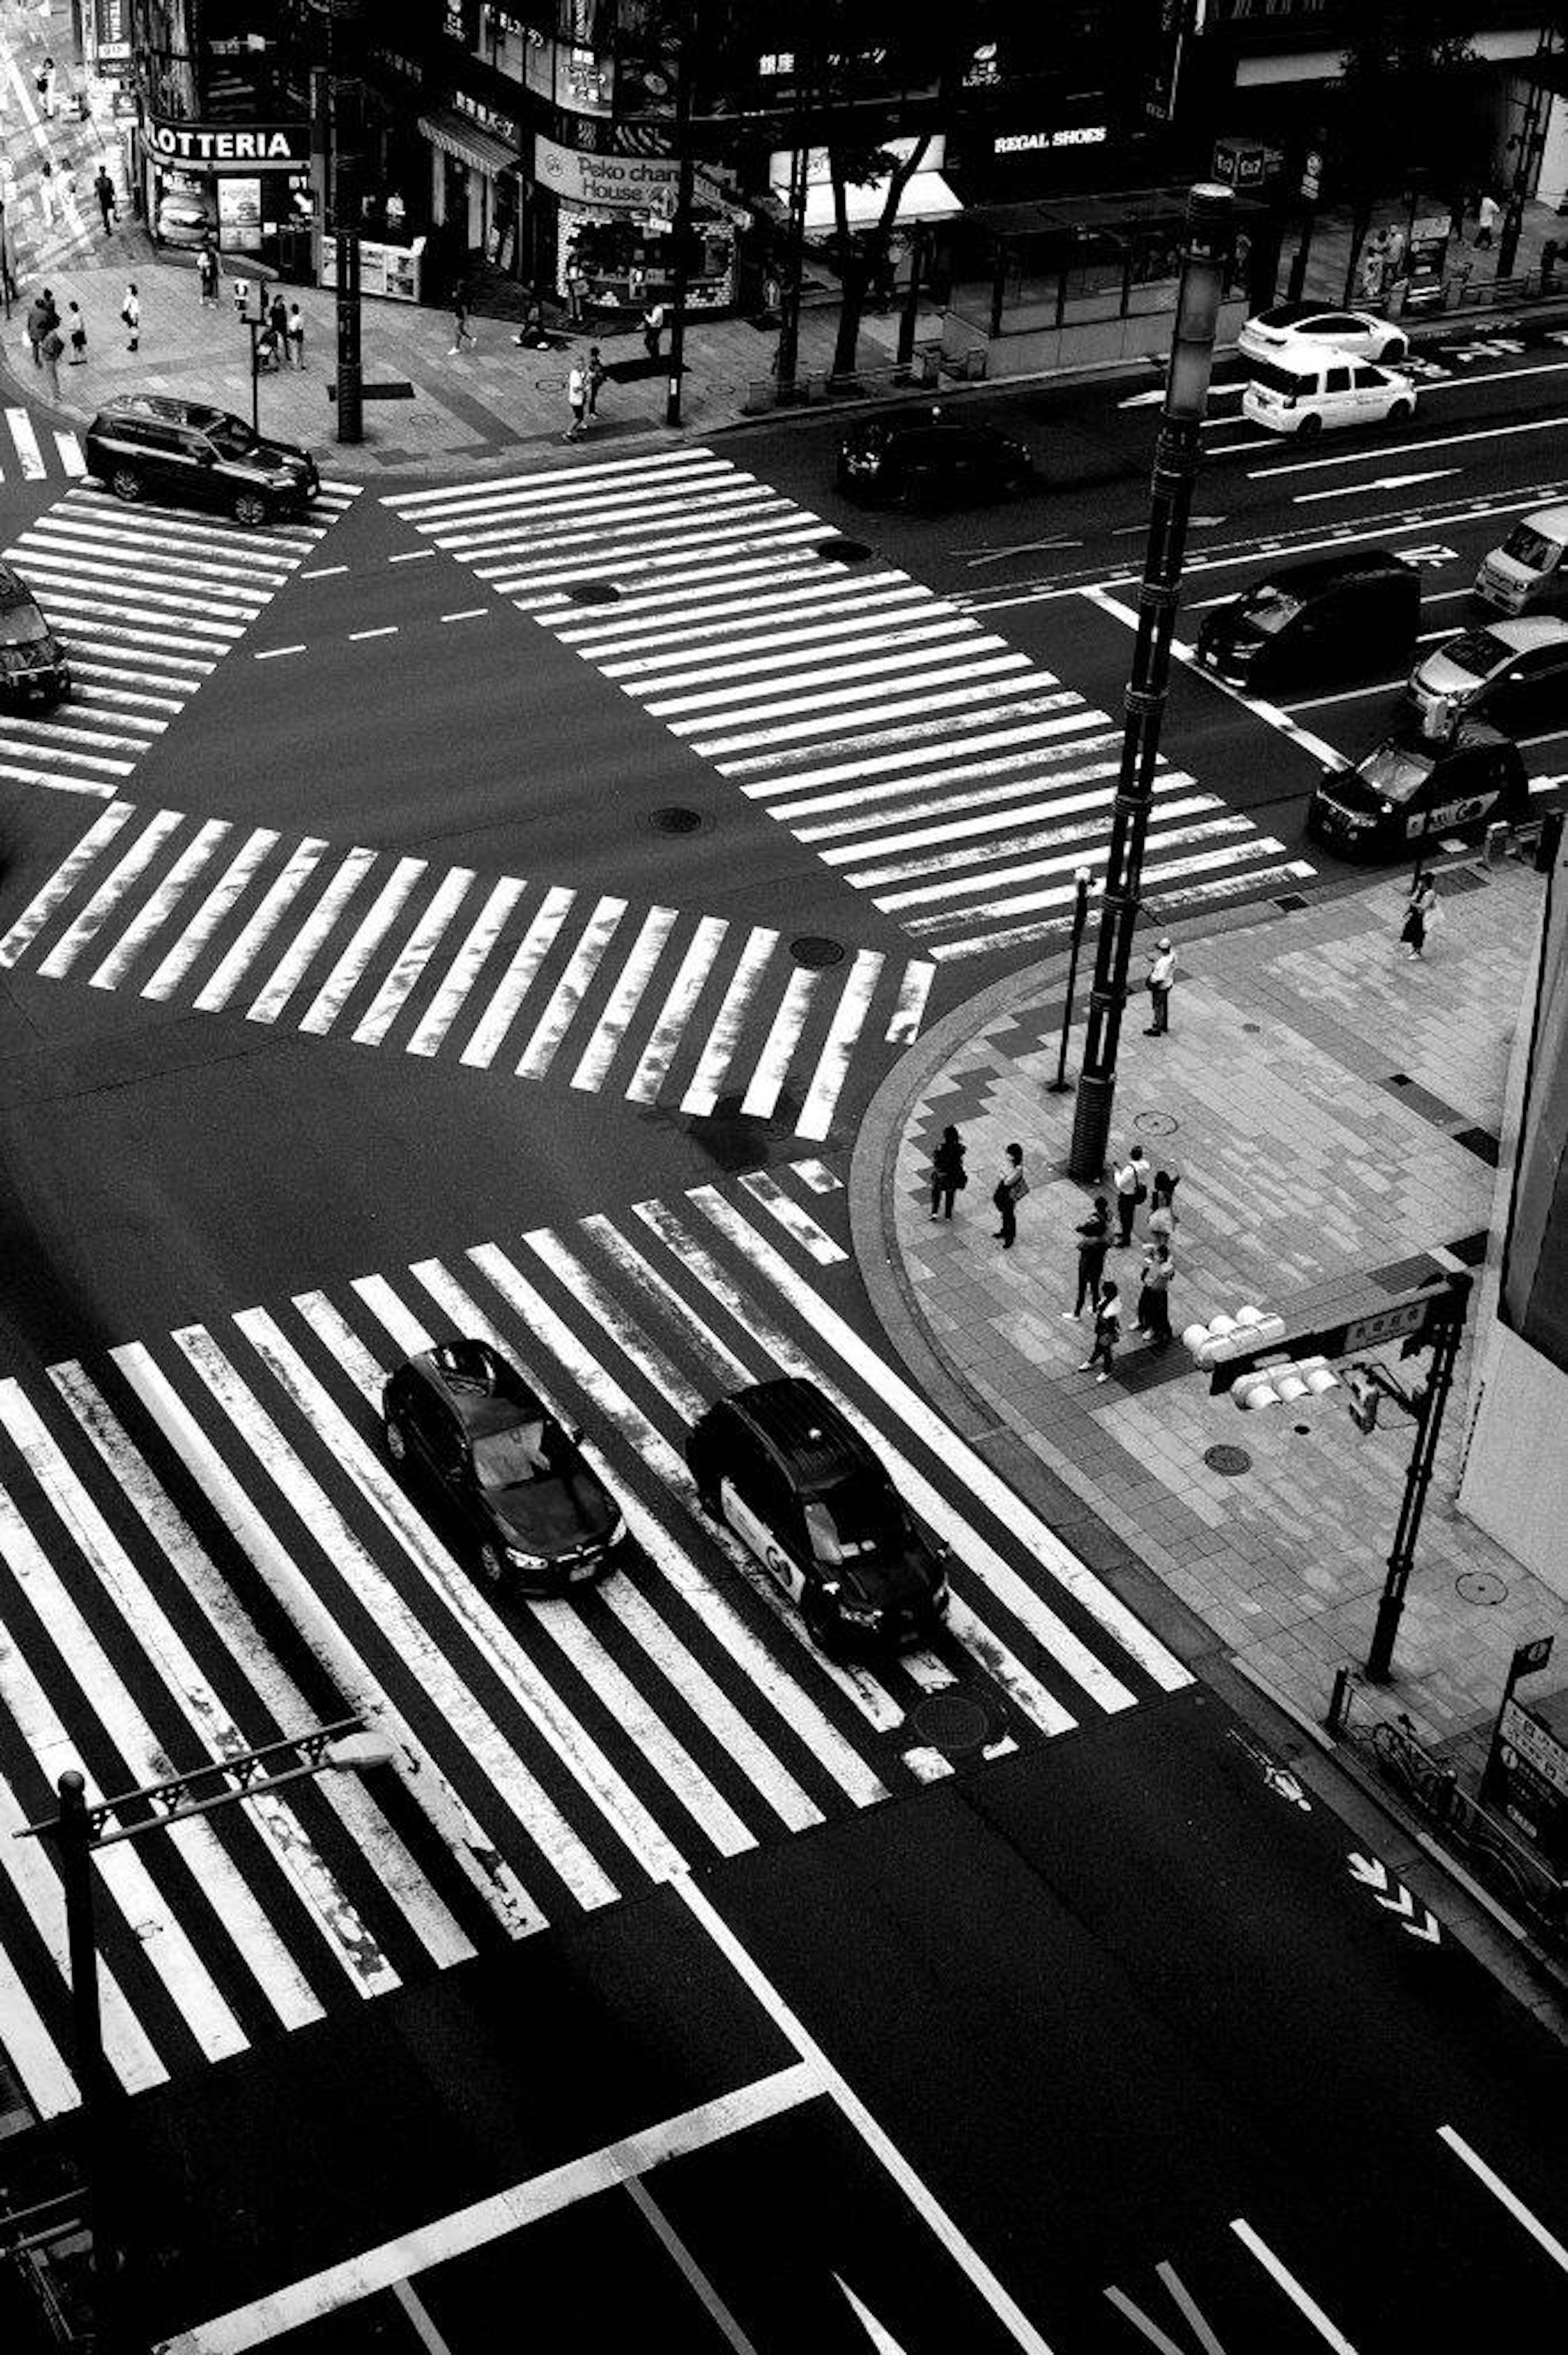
1062 1085
680 226
73 1838
1418 1479
345 246
787 359
1208 238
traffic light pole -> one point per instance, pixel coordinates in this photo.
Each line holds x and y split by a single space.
1446 1338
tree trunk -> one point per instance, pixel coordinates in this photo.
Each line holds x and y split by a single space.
856 276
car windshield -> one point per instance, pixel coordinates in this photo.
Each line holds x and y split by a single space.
508 1459
230 436
1275 379
1531 548
21 624
856 1517
1478 653
1268 607
1396 772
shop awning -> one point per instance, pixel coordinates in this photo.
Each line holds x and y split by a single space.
447 128
927 197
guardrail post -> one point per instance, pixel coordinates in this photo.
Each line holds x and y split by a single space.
1340 1699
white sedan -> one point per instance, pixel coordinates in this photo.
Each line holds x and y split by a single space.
1359 332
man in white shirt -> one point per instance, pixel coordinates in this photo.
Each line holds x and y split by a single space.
1161 976
576 398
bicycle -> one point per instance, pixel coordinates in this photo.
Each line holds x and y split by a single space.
1405 1762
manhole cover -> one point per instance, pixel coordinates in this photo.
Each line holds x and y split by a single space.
815 952
1227 1459
1155 1123
1481 1586
593 593
673 819
950 1721
1251 1029
842 551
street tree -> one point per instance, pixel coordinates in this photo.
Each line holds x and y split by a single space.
1408 108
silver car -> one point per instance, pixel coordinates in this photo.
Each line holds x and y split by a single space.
1515 673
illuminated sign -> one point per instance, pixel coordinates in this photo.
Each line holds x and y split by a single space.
1028 143
222 146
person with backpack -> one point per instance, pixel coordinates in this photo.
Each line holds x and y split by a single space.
1094 1241
1012 1186
1108 1333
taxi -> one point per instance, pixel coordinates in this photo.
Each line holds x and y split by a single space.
1409 790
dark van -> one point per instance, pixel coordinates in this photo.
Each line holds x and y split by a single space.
1334 617
1408 790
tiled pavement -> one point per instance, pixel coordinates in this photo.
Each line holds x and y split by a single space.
1312 1094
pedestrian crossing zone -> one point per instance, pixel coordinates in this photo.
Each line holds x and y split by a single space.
202 1540
931 764
30 451
663 1008
147 601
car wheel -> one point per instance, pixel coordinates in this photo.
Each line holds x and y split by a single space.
397 1442
125 483
1309 428
250 509
1401 412
491 1563
1395 348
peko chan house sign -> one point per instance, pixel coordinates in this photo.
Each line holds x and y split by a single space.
226 146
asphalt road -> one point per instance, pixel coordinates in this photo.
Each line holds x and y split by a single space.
330 969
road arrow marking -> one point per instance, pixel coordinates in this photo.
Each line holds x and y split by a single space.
881 2337
1025 548
1383 482
1426 1930
1143 399
1401 1902
1368 1871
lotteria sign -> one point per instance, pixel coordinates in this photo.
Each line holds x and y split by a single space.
227 147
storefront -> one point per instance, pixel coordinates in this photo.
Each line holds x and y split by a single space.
475 179
614 222
247 188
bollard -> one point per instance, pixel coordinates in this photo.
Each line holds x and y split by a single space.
1340 1699
1497 842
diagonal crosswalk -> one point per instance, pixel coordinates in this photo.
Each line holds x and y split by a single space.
931 764
659 1006
147 601
201 1534
31 451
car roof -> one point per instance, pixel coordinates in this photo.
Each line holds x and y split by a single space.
484 1390
1525 631
165 407
1287 314
1552 521
805 1428
1319 572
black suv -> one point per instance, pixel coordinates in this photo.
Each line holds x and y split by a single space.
926 461
796 1482
146 445
464 1417
33 668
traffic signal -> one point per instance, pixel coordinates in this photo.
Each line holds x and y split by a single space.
1365 1397
1283 1384
1232 1336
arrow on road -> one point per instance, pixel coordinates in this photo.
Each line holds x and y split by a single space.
1025 548
881 2339
1368 1871
1194 523
1375 1876
1383 482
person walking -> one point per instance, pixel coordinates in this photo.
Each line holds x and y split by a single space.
130 312
598 374
239 294
652 328
75 336
208 275
278 320
52 347
948 1176
108 202
295 330
1094 1241
462 332
1420 913
37 323
1108 1333
1154 1296
1162 977
1012 1186
1162 1226
577 401
1489 215
48 193
1131 1181
44 82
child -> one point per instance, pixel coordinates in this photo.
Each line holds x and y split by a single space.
1108 1333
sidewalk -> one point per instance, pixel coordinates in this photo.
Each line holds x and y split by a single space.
1333 1111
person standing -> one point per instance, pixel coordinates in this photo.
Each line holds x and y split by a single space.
577 401
130 312
52 346
652 328
1094 1241
108 202
1012 1186
948 1176
1108 1333
206 275
1420 913
1489 215
37 323
577 291
76 332
278 320
46 87
1131 1181
295 330
1161 978
1163 1208
239 294
598 374
1154 1297
462 332
48 193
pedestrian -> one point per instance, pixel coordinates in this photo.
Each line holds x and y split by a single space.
52 347
577 291
462 332
77 330
130 312
1421 913
652 328
1131 1181
1163 1208
240 294
1094 1241
598 374
265 350
1108 1333
532 328
49 192
208 274
948 1176
1012 1186
1154 1297
637 287
108 202
278 320
1489 214
396 211
295 330
44 79
577 401
1161 976
37 323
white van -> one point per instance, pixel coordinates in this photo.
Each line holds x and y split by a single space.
1303 388
1528 574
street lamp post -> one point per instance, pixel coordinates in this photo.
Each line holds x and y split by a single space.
681 226
1208 238
1062 1085
1448 1335
346 1746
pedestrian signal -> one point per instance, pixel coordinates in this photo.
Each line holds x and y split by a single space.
1364 1397
1283 1384
1232 1336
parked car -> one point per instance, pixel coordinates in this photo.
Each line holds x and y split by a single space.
1514 672
1408 790
33 665
802 1491
148 445
539 1518
1527 574
1303 388
1361 333
926 460
1329 618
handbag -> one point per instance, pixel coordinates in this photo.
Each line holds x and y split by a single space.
1140 1192
1018 1186
960 1181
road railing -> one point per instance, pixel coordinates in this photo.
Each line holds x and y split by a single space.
827 388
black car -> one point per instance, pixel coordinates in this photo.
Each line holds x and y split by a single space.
927 461
465 1420
1333 617
33 665
147 446
1408 790
798 1486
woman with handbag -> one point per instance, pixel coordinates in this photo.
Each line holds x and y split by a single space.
1012 1186
948 1176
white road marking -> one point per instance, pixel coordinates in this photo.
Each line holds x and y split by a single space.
797 1224
290 970
724 1037
833 1064
481 937
234 879
368 933
1317 747
271 653
1511 2199
387 630
93 917
414 956
258 930
63 881
468 614
1278 2271
673 1015
566 998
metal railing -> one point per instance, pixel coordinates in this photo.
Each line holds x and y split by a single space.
1520 1881
823 388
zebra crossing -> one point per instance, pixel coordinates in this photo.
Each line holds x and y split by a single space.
36 450
926 761
662 1006
194 1529
147 601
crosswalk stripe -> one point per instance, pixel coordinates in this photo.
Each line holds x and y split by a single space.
567 996
72 456
426 937
111 972
34 2056
333 994
259 927
462 974
772 1065
63 881
833 1064
26 442
93 917
643 957
518 979
173 968
797 1224
653 1065
723 1039
290 970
